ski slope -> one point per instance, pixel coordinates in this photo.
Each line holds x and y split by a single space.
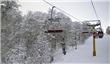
83 55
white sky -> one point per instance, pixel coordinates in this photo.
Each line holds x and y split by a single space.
81 9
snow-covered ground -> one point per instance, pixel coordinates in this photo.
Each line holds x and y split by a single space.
83 55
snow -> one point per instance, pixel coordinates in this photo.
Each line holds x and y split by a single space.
83 55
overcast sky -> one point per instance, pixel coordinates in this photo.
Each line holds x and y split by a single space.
81 9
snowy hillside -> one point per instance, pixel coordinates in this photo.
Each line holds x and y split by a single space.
83 55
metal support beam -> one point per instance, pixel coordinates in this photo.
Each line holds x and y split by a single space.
94 45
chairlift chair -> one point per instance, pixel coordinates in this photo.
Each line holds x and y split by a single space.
53 26
54 29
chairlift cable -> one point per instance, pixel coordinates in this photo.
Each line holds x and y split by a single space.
94 10
62 10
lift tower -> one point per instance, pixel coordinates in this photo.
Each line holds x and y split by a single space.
95 33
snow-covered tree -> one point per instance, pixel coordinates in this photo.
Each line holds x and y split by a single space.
108 30
75 34
10 25
86 28
36 41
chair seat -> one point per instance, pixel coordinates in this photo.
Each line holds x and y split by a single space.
54 31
